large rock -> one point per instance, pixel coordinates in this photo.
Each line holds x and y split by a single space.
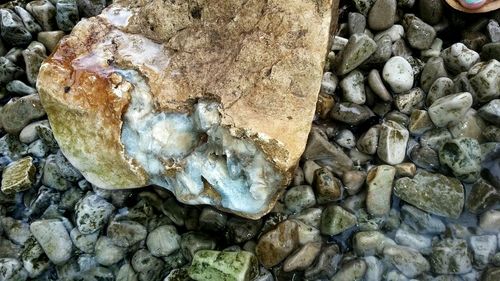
192 98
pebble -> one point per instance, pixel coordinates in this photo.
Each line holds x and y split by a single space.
420 122
327 187
127 273
433 51
490 221
33 56
486 81
90 8
163 241
299 197
433 193
12 269
19 112
356 23
407 260
275 245
18 87
34 260
336 220
382 15
353 87
148 266
126 233
398 74
419 34
483 248
463 157
329 83
326 264
377 85
471 125
491 112
214 265
18 176
353 270
92 212
449 108
17 231
443 86
407 237
392 142
212 220
450 256
9 71
395 32
374 269
379 182
66 14
241 230
12 29
358 49
431 11
50 39
54 239
191 242
421 221
409 101
350 113
84 242
302 258
52 176
493 29
107 253
44 12
29 22
433 69
458 58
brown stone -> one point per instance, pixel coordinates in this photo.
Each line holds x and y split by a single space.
274 246
259 62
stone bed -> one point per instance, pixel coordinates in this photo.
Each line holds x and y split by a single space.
399 178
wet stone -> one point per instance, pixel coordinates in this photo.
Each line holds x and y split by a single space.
34 260
379 181
395 32
92 212
435 138
66 14
12 269
326 264
327 187
353 181
356 23
18 176
450 256
419 34
44 12
359 48
481 196
483 248
12 29
241 230
299 197
471 125
491 112
398 74
458 58
163 241
493 29
353 270
29 22
9 71
382 14
490 51
409 101
420 122
433 193
212 220
214 265
407 237
84 242
463 157
350 113
392 142
487 80
425 157
50 38
336 220
33 56
490 221
431 11
192 242
52 176
407 260
107 253
433 69
353 87
126 233
54 239
19 112
302 258
15 230
20 88
449 108
275 245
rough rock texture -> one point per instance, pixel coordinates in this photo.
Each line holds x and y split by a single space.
140 62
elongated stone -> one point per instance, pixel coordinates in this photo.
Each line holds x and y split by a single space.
210 265
392 142
433 193
359 48
449 108
177 113
379 181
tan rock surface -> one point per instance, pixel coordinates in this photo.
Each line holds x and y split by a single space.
261 62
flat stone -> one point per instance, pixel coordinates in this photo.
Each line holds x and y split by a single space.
359 48
54 239
433 193
379 181
449 108
408 237
382 14
377 85
214 265
174 82
450 256
463 157
398 74
336 220
126 233
275 245
392 142
18 176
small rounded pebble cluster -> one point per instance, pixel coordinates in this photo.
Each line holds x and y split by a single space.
400 178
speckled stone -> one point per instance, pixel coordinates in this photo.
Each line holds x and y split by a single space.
450 256
54 239
458 58
336 220
419 34
379 181
275 245
224 266
486 81
398 74
449 108
392 142
463 157
433 193
12 29
92 213
443 86
353 87
359 48
18 176
327 187
433 69
407 260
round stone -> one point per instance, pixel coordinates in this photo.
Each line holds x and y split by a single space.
398 74
163 241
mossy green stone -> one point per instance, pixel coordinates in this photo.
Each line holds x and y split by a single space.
211 265
433 193
18 176
463 157
336 219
